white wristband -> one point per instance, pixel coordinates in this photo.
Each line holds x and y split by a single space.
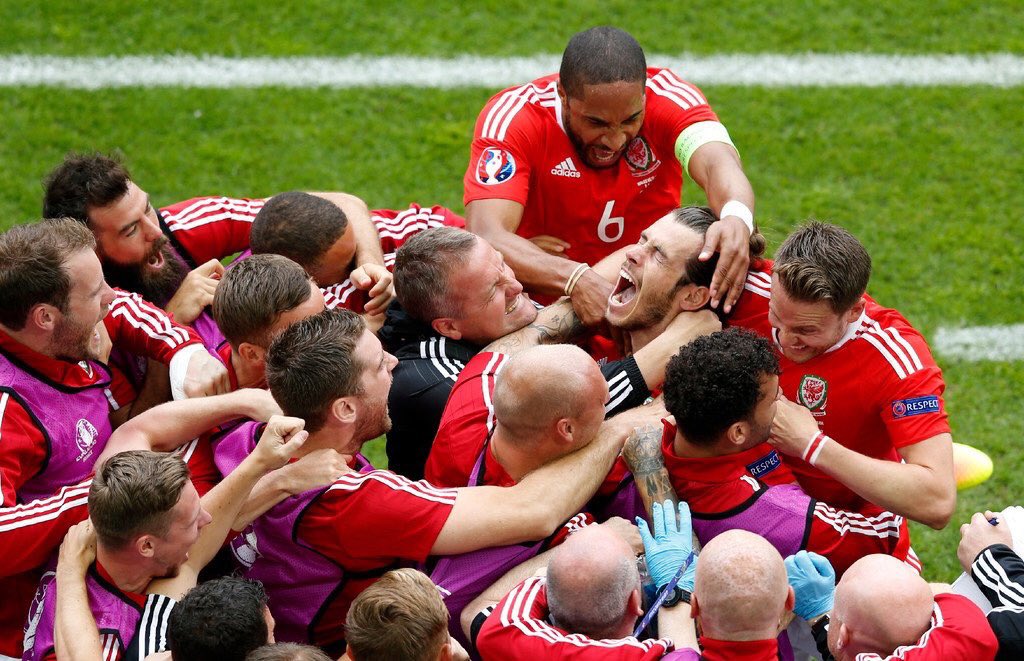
178 369
741 211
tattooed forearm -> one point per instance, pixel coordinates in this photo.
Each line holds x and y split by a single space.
642 454
555 324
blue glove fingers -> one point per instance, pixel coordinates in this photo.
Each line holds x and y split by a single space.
645 534
658 514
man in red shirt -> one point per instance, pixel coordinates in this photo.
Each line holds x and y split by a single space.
316 551
580 162
862 420
884 610
151 251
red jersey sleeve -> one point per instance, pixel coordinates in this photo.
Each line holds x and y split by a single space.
22 447
911 403
518 628
674 105
141 328
466 423
344 296
845 537
29 533
506 135
958 630
211 227
369 520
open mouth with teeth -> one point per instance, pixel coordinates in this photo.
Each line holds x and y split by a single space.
511 307
625 289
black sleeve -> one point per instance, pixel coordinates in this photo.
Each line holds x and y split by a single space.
1008 624
999 573
416 401
626 386
820 633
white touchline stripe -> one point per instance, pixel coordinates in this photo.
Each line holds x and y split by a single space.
978 343
763 70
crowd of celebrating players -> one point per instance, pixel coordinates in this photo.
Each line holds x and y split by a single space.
614 429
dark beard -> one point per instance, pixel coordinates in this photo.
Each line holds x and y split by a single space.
157 287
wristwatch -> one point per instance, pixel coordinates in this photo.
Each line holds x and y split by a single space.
676 595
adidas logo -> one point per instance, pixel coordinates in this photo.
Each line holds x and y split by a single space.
566 169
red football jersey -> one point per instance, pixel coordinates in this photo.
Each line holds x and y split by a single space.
958 630
520 628
521 152
369 523
876 391
210 227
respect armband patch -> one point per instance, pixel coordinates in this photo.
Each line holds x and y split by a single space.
905 408
764 465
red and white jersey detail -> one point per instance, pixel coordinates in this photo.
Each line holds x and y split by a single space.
395 227
521 152
131 311
420 489
110 645
876 391
518 628
467 422
957 630
672 87
511 101
29 533
211 227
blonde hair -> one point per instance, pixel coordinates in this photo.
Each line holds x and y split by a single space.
401 616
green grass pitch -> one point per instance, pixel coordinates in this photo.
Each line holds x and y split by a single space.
928 178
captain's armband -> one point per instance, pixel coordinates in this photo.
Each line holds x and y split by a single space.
697 135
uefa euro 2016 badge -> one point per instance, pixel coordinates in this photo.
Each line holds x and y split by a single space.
813 392
496 166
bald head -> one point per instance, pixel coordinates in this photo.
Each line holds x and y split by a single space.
882 604
542 385
590 584
741 588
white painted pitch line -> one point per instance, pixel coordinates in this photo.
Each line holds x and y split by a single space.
978 343
807 70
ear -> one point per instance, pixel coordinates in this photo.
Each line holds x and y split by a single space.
736 434
561 92
635 604
790 599
348 655
854 313
447 326
843 639
692 297
145 546
252 354
43 316
344 410
694 606
565 429
446 651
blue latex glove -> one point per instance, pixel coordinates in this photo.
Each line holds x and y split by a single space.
814 582
670 546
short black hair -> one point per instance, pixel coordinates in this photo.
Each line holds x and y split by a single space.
715 381
82 182
601 55
220 620
298 225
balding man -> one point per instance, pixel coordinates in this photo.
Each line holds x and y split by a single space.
545 402
586 608
884 609
741 597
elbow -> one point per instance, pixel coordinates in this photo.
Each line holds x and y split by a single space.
940 512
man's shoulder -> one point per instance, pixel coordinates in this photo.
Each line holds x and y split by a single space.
888 344
527 107
200 210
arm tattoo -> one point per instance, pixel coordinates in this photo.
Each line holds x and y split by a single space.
642 454
555 324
